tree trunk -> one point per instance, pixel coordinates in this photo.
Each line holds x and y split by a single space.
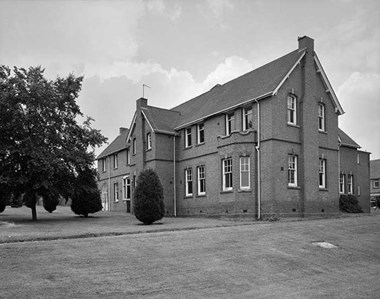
33 207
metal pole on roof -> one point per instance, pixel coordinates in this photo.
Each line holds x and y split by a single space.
144 85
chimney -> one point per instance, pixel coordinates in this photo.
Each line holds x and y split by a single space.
122 130
141 102
306 42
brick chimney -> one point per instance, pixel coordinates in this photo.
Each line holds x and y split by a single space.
122 130
306 42
141 102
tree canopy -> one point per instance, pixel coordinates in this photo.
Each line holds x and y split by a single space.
43 149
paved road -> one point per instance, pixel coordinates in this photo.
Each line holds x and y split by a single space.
268 260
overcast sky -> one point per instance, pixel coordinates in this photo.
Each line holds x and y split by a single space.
183 48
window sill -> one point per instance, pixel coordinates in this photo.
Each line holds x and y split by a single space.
294 187
187 147
199 144
148 149
226 191
188 196
245 190
322 132
293 125
323 189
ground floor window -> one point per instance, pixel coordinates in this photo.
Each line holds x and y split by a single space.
292 170
227 174
244 173
350 184
322 173
116 191
201 180
342 182
188 182
126 188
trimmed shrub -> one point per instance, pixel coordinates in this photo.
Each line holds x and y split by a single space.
148 203
86 198
50 200
349 204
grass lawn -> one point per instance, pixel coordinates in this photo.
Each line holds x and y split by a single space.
187 257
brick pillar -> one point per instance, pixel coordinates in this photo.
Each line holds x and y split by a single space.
308 108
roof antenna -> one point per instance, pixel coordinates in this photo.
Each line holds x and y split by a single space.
144 85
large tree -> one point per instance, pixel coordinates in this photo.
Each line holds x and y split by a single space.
43 148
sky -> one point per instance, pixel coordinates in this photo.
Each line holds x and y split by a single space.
181 49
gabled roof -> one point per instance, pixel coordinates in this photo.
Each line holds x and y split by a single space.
117 145
161 120
346 140
259 83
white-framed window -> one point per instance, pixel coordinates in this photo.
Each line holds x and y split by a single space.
104 165
188 182
292 110
188 137
230 123
126 188
350 184
128 156
227 174
116 191
321 118
148 141
134 146
322 173
201 180
342 183
376 184
245 173
292 170
201 133
247 118
115 161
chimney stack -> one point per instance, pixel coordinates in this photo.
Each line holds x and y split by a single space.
306 42
141 102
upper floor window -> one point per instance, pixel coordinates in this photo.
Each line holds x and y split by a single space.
292 110
358 158
292 170
148 141
104 165
188 182
342 183
188 137
201 180
201 133
227 174
230 123
134 146
322 173
350 184
128 156
247 119
244 173
321 118
115 161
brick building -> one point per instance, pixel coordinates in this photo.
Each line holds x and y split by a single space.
113 179
375 178
264 143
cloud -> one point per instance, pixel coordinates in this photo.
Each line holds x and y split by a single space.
159 7
217 7
360 98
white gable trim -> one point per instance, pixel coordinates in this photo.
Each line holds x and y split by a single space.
288 74
330 90
147 120
131 128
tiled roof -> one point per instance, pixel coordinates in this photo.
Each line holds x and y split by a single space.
375 169
347 140
161 120
118 144
252 85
